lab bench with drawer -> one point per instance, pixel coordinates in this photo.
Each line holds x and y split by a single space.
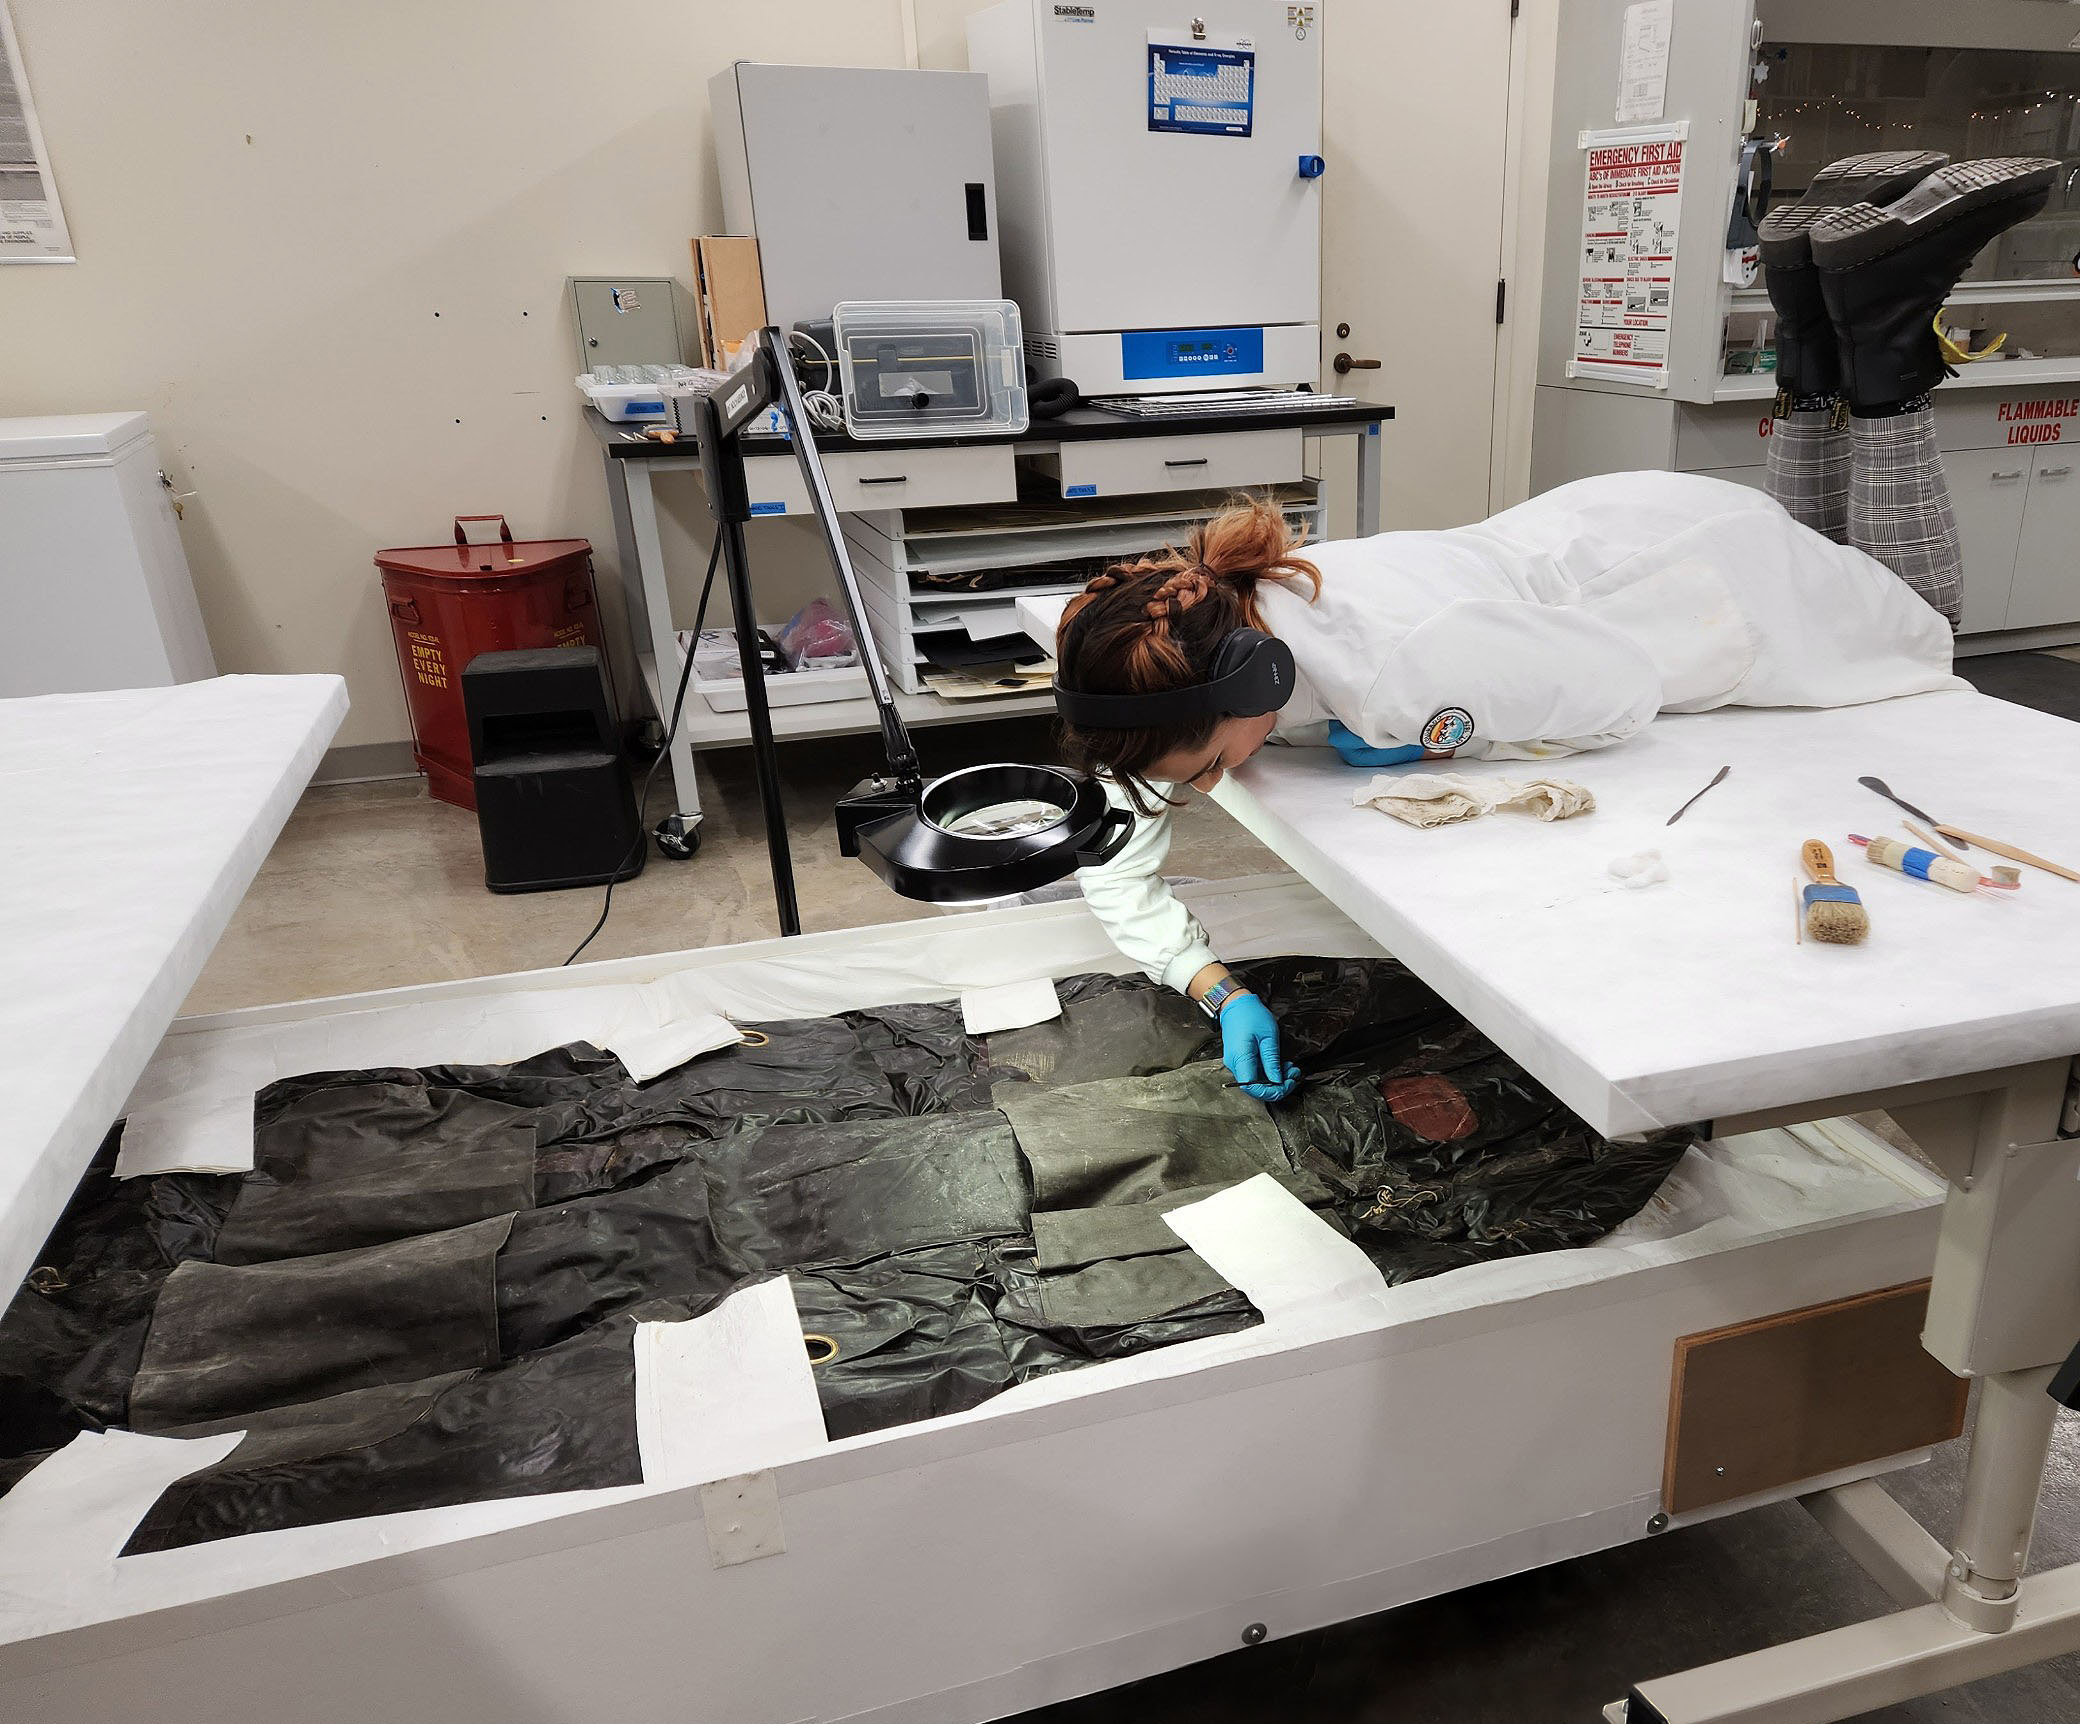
946 534
2008 453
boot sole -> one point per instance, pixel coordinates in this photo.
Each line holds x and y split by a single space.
1878 176
1860 232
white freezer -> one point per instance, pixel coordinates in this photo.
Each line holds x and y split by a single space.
1363 1447
92 572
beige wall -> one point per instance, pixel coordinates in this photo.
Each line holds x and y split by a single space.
273 202
325 245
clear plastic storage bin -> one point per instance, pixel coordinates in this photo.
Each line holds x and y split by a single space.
930 368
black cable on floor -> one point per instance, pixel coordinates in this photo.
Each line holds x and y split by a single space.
700 620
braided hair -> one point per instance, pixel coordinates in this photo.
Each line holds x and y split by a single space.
1155 624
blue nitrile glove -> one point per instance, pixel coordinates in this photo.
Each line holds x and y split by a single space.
1249 1049
1356 751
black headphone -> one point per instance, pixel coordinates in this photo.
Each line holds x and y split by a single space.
1252 674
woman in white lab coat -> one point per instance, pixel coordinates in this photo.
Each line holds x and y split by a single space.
1563 624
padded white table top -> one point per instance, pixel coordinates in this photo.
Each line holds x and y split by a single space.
1689 1000
131 824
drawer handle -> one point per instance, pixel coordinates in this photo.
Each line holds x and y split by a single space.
888 479
1195 461
2053 472
2001 477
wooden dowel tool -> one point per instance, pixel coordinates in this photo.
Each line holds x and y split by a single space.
2010 851
1933 842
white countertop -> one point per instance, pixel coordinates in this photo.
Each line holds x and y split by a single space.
131 824
1689 1000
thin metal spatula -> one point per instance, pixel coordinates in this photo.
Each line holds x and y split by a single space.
1718 777
1922 814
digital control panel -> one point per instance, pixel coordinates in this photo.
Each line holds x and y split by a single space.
1151 353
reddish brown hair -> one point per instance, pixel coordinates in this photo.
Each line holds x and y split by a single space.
1149 626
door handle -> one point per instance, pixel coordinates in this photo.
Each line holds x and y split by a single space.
2003 478
2053 472
1343 363
1195 461
888 479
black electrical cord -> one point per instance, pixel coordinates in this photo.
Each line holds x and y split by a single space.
671 730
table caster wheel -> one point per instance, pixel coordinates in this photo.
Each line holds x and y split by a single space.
676 839
645 739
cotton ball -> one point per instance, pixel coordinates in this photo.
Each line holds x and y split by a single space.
1645 869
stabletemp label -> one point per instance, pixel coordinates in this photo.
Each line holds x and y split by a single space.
1632 193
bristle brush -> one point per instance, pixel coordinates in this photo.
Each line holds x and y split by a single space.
1835 915
1927 865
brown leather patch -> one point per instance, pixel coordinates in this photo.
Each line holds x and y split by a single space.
1432 1107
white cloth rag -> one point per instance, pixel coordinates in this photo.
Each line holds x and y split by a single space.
1440 798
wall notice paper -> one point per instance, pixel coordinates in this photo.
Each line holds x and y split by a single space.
1643 61
1633 189
1201 84
32 226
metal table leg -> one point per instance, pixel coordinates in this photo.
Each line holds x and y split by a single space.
1371 468
650 616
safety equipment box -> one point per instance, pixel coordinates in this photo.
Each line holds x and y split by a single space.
448 603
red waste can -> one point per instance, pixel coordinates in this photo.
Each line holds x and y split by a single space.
449 603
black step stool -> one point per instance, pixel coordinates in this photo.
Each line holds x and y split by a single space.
554 807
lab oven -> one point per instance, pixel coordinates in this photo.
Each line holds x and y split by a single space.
1159 174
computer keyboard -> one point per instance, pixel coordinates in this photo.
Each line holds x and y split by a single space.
1223 404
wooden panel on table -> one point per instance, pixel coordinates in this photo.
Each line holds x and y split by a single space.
1802 1394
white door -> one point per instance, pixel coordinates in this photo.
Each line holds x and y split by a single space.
1415 108
2047 556
1987 487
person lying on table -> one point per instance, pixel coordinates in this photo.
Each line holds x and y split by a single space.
1563 624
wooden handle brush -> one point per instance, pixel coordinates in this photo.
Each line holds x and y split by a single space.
1835 915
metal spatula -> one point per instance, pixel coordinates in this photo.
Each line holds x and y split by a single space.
1885 790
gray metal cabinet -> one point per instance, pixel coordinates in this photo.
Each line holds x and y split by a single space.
1987 488
2046 588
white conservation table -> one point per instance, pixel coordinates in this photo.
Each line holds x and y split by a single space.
131 824
1690 1000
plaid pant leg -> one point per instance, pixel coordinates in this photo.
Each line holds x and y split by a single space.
1807 471
1899 506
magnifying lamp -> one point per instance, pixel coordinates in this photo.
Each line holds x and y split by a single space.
982 832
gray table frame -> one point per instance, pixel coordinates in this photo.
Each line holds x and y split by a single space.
2003 1306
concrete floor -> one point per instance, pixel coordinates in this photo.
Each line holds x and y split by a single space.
375 886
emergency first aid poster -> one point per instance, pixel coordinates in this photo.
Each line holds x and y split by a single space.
1631 195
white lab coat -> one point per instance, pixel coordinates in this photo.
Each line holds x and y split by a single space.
1561 625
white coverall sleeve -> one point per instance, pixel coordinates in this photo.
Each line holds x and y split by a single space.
1137 909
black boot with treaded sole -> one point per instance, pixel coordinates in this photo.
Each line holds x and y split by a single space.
1885 271
1807 362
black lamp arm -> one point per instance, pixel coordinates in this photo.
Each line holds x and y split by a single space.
895 735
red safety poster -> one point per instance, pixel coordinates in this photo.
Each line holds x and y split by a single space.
1633 191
